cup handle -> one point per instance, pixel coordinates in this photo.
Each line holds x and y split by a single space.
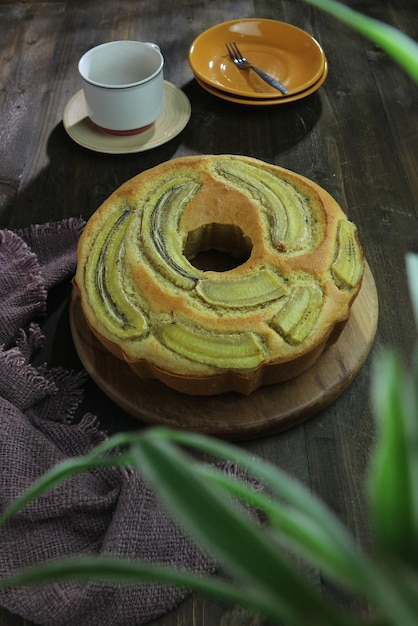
154 45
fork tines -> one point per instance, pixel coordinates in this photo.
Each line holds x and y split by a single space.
233 51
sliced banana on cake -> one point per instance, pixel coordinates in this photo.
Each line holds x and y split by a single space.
292 225
259 288
237 350
348 265
107 294
299 314
161 213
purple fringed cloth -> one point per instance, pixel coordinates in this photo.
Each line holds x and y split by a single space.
107 511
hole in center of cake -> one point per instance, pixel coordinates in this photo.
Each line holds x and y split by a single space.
217 247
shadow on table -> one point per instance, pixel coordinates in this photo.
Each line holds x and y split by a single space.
221 127
74 181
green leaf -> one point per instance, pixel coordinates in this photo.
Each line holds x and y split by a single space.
399 46
393 473
264 578
98 457
379 584
243 550
296 511
64 470
301 534
130 572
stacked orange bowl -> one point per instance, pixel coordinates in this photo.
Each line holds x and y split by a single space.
286 52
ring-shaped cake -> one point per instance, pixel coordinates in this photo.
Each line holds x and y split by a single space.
297 268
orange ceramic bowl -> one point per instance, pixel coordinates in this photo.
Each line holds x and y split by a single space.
223 95
285 51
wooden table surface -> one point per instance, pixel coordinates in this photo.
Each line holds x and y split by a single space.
357 137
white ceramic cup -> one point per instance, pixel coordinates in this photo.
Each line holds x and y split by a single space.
123 85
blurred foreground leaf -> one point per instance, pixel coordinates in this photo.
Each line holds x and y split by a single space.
399 46
393 476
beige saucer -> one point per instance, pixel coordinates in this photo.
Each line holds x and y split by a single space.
174 118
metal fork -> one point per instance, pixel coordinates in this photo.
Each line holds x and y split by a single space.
241 62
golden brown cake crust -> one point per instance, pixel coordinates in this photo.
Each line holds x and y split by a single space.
298 269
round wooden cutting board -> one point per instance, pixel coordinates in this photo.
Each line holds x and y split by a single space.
232 416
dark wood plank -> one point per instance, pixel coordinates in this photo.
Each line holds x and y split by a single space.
357 137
